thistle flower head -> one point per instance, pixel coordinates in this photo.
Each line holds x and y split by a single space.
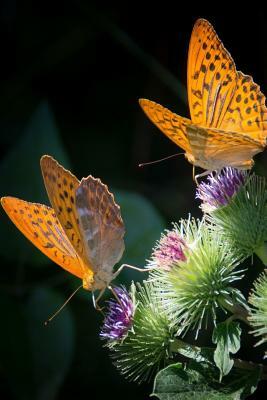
219 189
168 250
145 348
243 220
258 314
118 319
192 291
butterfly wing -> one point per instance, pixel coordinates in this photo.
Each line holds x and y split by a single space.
246 112
215 149
101 223
219 96
61 186
172 125
41 226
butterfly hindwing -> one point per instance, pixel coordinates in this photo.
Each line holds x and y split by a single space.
222 148
246 112
101 224
41 226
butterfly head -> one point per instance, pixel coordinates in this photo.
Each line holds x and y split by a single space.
190 158
102 279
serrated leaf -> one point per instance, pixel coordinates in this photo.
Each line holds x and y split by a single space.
20 176
198 381
226 336
176 383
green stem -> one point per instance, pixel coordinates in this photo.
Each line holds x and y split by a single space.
237 310
261 252
179 346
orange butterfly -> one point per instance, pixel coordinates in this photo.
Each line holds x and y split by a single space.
228 123
82 232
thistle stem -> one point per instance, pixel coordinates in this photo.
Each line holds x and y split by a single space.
237 310
179 346
261 252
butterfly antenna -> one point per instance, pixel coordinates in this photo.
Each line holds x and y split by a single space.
63 305
158 161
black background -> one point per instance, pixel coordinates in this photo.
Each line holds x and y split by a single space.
91 62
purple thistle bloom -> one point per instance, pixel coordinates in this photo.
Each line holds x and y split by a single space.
220 189
169 250
118 319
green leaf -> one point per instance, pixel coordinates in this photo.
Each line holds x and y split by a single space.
227 337
177 383
198 381
20 176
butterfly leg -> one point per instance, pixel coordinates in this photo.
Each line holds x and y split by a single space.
131 267
115 295
193 173
201 176
96 300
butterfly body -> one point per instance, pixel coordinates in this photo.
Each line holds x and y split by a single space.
83 230
228 124
220 152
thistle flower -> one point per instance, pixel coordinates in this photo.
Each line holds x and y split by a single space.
146 347
119 316
192 290
258 314
236 204
220 188
168 250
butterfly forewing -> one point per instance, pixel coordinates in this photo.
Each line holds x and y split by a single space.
101 224
41 226
61 186
172 125
211 76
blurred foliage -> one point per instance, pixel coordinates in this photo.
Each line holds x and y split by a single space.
72 73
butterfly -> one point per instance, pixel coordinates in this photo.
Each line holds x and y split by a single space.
82 232
228 124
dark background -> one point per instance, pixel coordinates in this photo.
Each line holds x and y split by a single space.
71 76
